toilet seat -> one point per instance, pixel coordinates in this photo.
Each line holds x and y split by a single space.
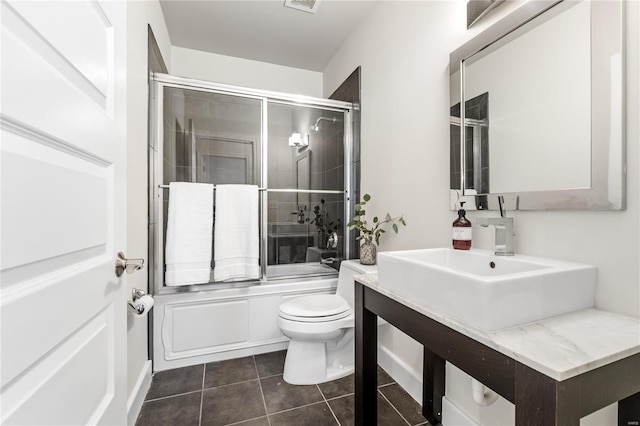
315 308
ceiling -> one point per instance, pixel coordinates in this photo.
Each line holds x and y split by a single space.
264 30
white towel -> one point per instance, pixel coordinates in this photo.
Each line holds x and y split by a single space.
189 233
236 239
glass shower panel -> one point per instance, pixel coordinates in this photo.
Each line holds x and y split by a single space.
210 138
306 190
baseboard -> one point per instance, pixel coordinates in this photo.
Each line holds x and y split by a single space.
405 376
161 364
134 403
411 382
454 416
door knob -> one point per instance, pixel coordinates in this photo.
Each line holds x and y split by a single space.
129 265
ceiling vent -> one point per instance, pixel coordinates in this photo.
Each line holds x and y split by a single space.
305 5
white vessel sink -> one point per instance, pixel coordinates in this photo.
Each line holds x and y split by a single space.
486 291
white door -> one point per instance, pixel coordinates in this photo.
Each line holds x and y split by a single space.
62 206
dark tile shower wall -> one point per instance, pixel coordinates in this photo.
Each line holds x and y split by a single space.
469 158
325 158
332 172
476 108
170 126
454 155
484 170
349 91
183 154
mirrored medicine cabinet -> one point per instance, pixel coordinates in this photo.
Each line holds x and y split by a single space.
543 90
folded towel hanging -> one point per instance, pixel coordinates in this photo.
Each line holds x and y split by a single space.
236 242
189 234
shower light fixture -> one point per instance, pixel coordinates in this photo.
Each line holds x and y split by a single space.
297 141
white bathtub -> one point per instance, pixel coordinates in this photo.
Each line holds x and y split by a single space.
298 269
213 325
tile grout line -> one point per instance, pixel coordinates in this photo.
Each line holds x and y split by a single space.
264 401
241 422
204 374
273 375
393 406
295 408
170 396
267 414
230 384
340 396
242 381
328 405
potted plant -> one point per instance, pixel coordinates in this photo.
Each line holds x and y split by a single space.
324 226
371 234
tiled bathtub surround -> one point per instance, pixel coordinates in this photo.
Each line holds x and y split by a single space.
250 391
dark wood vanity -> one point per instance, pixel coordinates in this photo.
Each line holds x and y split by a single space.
539 399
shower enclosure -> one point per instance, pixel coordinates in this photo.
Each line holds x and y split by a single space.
296 149
469 161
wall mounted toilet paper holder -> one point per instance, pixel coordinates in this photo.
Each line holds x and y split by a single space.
136 294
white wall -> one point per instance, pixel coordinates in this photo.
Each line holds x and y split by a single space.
403 48
245 72
139 15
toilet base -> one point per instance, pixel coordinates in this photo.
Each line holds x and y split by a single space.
309 363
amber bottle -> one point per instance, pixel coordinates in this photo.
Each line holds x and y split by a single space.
461 231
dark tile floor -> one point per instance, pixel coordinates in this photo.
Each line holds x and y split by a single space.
250 392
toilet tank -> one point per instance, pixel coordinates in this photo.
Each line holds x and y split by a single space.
348 270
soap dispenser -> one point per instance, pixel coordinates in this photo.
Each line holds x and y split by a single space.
301 216
461 230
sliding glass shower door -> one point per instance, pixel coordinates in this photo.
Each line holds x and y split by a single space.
306 209
293 150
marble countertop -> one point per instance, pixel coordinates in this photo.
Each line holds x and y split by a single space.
560 347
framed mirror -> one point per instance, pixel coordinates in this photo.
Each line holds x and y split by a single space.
543 91
477 9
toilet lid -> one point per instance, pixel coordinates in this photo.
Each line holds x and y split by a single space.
317 306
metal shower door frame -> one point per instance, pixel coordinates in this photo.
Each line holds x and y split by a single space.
156 189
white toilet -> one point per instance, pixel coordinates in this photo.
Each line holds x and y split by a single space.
320 328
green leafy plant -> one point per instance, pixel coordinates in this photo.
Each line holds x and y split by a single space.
321 220
372 233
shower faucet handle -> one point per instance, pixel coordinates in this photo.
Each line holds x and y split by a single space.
332 242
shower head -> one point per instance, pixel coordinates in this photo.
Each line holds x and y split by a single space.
316 126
